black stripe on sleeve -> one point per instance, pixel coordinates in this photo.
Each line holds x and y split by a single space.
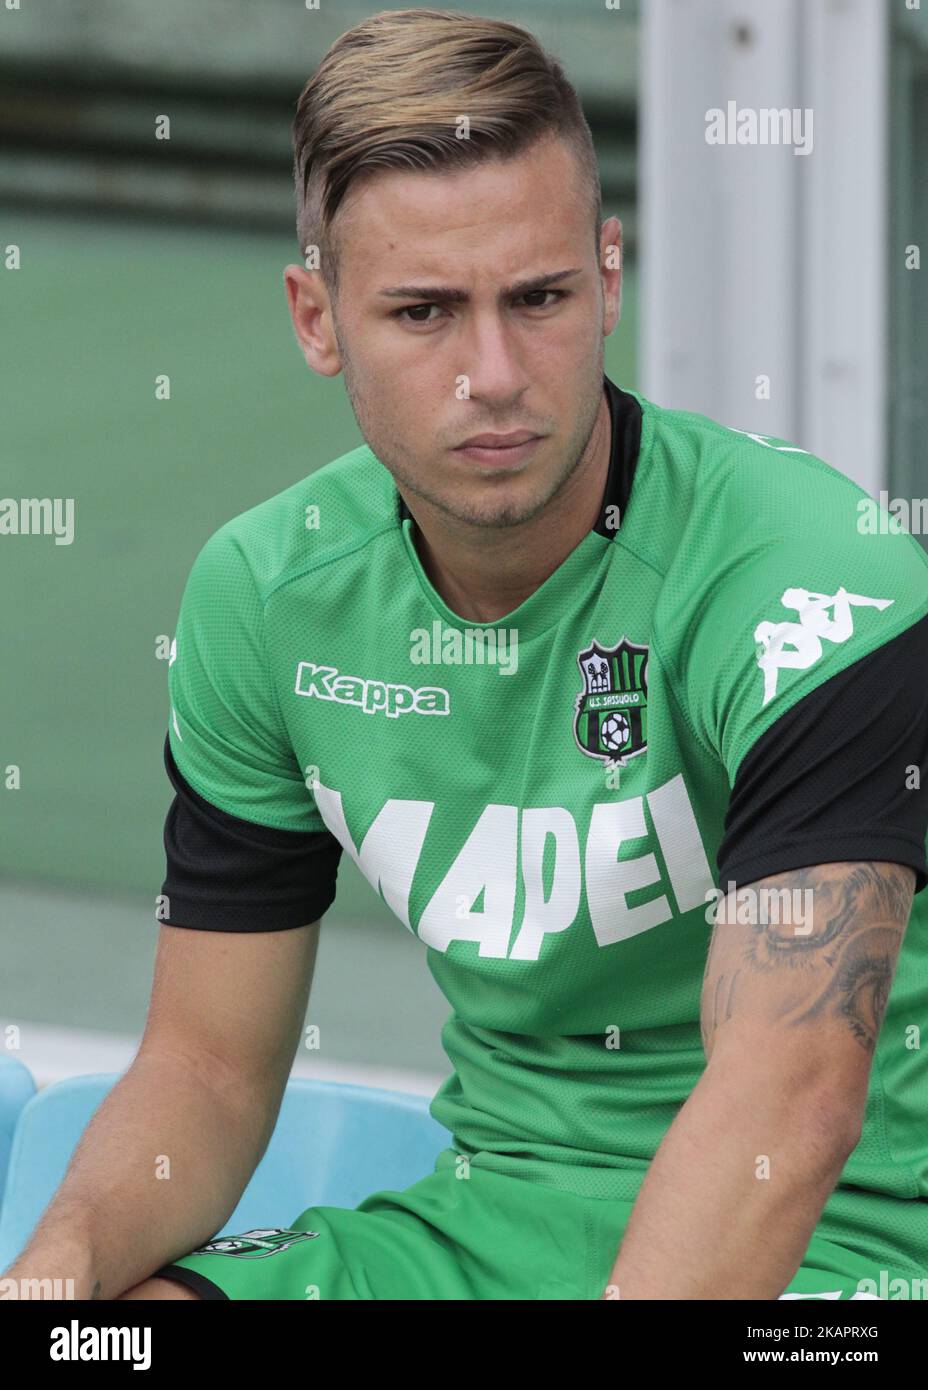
828 782
192 1278
229 874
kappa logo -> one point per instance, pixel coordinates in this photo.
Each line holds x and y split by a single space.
373 697
611 711
256 1245
796 646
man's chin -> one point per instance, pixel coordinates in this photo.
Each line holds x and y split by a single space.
491 502
498 514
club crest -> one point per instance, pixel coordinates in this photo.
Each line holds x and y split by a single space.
611 719
255 1245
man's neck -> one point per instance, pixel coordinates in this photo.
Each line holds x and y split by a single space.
483 580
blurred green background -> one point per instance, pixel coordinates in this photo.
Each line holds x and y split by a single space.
140 258
83 699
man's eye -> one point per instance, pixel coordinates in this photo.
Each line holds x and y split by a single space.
422 313
536 294
415 312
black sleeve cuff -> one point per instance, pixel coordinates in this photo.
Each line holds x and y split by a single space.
229 874
832 779
193 1279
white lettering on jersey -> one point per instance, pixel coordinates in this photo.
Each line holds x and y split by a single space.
487 864
391 848
555 913
679 838
799 645
501 841
609 879
373 697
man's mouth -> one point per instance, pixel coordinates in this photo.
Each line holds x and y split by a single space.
500 450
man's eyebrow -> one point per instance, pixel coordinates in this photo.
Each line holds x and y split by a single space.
448 294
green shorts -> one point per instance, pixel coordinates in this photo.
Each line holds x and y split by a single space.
462 1232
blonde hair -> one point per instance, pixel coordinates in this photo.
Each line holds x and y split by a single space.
390 93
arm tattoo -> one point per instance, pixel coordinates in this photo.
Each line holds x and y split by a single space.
841 969
720 1009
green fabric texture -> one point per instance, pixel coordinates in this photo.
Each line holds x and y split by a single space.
462 1232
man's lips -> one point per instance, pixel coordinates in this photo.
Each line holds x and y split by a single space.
498 441
499 450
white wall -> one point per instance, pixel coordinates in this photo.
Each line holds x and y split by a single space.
758 261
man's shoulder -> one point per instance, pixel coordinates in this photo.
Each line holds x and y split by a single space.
751 495
786 573
775 536
743 467
331 513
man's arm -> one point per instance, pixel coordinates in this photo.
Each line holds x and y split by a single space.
790 1017
203 1093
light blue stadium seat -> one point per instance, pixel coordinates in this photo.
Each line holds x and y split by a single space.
16 1088
334 1145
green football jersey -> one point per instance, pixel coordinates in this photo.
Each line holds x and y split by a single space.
541 800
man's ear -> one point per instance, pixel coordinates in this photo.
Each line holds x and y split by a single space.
610 268
310 306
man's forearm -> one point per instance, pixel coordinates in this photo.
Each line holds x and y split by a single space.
733 1194
159 1169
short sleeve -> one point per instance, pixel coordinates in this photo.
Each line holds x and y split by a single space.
227 874
227 734
841 776
245 846
788 590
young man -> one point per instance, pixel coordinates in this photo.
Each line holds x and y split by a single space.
548 661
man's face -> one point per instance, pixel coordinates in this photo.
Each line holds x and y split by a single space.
471 303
